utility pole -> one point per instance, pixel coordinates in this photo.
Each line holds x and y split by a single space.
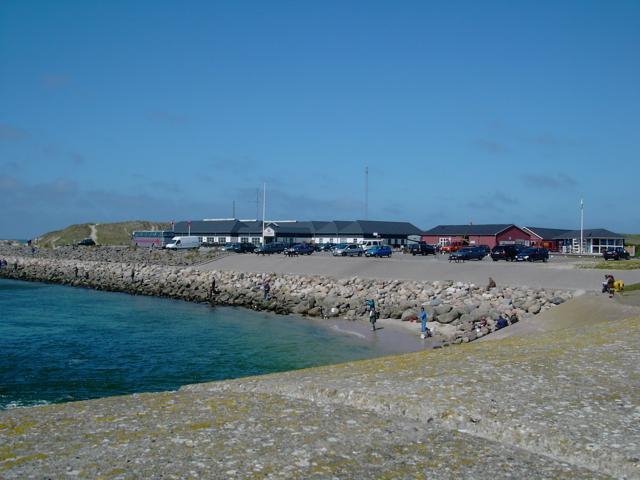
233 209
257 203
264 205
366 193
581 226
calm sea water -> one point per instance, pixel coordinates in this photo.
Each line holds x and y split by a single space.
61 344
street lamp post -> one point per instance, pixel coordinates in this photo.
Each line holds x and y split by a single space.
581 226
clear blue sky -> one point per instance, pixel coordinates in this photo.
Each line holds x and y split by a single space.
490 112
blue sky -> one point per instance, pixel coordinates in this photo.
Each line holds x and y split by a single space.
484 112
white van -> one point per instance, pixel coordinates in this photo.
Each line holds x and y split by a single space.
179 243
370 243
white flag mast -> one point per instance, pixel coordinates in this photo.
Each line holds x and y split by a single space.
264 205
581 226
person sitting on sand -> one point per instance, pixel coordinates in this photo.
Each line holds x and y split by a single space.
610 284
492 284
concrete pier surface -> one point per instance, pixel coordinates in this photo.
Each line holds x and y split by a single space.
561 402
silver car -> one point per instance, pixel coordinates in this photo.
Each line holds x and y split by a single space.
347 250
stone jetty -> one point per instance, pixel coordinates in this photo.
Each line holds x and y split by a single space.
459 312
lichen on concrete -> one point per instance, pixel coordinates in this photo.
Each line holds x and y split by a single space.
558 405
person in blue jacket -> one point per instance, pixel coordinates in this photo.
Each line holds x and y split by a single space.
424 331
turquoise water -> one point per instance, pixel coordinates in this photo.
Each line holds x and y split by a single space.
61 344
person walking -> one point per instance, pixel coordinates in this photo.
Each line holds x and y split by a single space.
424 331
373 314
212 290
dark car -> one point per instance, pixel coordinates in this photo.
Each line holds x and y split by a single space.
615 253
422 249
378 251
468 253
86 242
300 249
270 248
505 252
533 254
486 248
239 247
326 247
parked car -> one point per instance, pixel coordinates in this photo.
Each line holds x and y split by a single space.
506 252
184 243
86 242
452 247
486 248
347 250
533 254
269 248
468 253
615 253
326 247
239 247
378 251
300 249
421 249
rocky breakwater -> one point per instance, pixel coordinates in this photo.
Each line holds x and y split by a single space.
459 312
113 254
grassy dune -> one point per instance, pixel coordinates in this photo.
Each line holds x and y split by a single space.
632 238
106 233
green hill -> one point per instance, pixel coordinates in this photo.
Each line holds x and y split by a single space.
103 233
632 238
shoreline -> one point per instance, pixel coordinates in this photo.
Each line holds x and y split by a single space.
454 308
395 337
389 339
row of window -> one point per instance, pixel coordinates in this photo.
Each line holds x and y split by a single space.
258 240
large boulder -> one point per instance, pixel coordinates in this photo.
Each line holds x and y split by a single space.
449 317
534 307
448 332
409 315
442 309
330 301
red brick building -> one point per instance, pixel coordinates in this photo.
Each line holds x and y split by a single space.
545 237
491 235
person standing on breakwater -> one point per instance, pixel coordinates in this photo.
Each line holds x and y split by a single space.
133 274
266 288
212 290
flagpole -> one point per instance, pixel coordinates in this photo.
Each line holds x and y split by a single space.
581 226
264 200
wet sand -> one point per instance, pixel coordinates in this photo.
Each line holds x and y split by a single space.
391 335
